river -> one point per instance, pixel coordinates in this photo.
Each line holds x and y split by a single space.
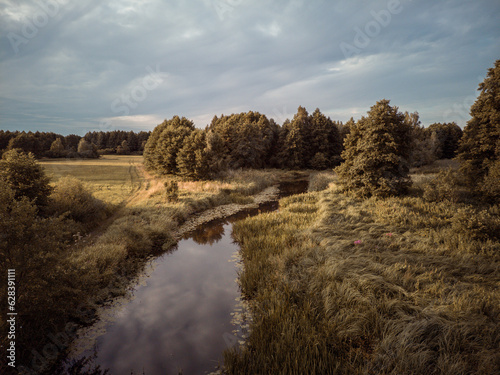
180 317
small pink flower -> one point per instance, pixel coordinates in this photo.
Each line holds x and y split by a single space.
357 242
388 234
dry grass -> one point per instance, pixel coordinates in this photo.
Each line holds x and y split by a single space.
381 286
319 181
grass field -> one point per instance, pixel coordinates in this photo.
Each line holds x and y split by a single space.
377 286
111 178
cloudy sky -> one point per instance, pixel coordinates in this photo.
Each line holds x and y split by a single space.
73 66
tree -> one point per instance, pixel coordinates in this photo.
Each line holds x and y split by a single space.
26 142
56 148
376 153
160 153
123 149
324 142
192 159
87 149
479 147
247 139
445 138
25 176
422 150
295 153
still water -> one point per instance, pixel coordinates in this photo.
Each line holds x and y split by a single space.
179 319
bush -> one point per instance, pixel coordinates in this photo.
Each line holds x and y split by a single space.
171 190
445 186
70 197
476 225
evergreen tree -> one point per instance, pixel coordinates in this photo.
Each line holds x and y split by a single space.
479 146
376 153
25 176
445 138
295 154
192 159
324 142
422 150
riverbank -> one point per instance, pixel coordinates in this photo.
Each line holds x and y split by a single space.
398 285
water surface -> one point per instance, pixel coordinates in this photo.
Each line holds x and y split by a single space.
179 318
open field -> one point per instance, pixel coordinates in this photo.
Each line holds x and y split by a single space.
378 286
111 178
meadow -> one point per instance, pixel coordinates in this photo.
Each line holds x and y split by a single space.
111 178
338 285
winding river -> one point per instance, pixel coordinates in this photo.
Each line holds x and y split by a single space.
180 317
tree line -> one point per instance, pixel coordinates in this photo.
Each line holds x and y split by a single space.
372 156
91 145
251 140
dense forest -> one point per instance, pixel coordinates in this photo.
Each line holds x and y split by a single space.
251 140
91 145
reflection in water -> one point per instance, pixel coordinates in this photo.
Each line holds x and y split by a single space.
180 318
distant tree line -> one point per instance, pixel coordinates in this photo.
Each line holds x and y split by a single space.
91 145
251 140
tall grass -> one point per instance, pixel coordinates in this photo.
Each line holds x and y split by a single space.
380 286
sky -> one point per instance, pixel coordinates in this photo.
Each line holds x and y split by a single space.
73 66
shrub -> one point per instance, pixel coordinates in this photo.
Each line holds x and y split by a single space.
70 197
445 186
171 190
476 225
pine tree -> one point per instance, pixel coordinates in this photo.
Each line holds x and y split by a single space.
376 153
295 153
479 147
193 157
324 142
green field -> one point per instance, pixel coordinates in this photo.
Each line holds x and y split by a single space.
112 178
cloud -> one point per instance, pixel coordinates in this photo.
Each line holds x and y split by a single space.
221 56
